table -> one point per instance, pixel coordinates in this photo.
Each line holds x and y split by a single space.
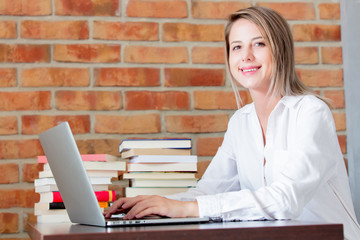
269 230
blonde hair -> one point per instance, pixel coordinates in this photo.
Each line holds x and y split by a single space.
277 33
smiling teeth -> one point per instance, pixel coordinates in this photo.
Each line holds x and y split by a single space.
250 70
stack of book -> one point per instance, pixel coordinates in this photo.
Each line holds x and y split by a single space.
158 166
101 169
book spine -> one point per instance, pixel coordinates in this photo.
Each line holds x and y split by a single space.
102 196
61 205
84 157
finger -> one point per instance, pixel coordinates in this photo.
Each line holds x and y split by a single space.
114 207
142 205
148 211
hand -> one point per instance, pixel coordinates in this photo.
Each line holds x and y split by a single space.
144 205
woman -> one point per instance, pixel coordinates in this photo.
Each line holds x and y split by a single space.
280 158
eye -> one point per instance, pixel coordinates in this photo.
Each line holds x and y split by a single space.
259 44
236 47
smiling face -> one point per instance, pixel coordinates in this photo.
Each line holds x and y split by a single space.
250 58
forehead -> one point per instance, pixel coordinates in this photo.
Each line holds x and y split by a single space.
243 29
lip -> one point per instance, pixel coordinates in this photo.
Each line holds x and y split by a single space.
245 69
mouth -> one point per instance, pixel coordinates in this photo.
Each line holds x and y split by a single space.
249 69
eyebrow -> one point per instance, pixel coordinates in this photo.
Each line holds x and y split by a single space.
254 38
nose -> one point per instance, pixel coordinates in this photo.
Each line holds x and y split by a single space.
248 55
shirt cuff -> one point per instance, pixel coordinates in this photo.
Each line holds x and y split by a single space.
209 206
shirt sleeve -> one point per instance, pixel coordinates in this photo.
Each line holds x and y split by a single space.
298 171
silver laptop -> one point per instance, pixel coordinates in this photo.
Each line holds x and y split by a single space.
76 191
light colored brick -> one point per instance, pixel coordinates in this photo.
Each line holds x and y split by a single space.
208 146
337 97
9 222
18 198
33 100
54 29
91 146
7 77
15 149
9 173
179 77
316 32
8 125
321 77
87 53
175 32
129 31
196 123
208 55
146 123
60 77
331 55
216 10
292 10
8 29
157 9
211 100
146 100
88 100
340 121
87 7
35 124
145 54
329 10
25 7
24 53
306 55
342 142
127 77
30 171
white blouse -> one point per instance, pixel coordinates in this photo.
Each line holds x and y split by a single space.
304 176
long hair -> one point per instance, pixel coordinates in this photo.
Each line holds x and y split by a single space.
277 33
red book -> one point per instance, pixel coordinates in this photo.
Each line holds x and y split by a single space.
101 196
88 157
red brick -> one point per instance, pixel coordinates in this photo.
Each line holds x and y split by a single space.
25 7
8 29
8 125
174 32
337 97
211 100
87 53
24 53
146 123
30 171
9 222
179 77
342 142
33 100
329 10
15 149
93 146
87 7
146 100
129 31
208 146
306 55
208 55
18 198
316 32
145 54
292 10
331 55
9 173
60 77
196 123
88 100
340 121
35 124
55 29
127 77
157 9
321 77
7 77
216 10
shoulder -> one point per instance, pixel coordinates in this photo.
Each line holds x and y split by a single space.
305 103
244 111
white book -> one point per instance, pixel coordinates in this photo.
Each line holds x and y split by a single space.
163 159
58 218
93 165
54 188
94 180
38 212
90 173
163 182
159 175
135 191
154 151
162 167
155 143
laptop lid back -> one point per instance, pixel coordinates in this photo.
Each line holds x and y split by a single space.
70 175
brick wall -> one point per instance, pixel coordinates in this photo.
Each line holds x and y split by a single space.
133 68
